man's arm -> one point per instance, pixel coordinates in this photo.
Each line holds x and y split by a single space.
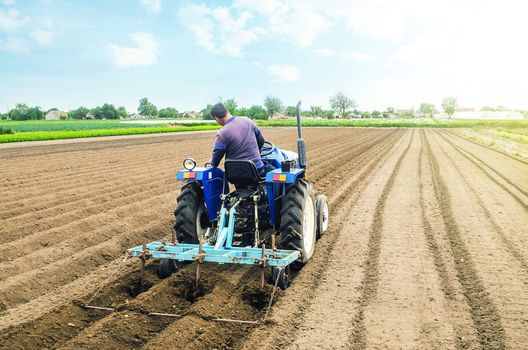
219 150
259 136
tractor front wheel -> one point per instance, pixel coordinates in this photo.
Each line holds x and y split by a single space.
298 226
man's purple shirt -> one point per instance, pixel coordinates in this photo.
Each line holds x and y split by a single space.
239 139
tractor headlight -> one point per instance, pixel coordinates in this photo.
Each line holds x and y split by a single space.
189 164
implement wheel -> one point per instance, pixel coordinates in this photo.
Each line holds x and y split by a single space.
191 214
283 276
322 214
166 268
298 227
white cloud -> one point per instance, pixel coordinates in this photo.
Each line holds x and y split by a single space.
15 45
11 20
357 56
142 55
325 53
218 29
8 2
284 72
287 21
152 6
42 37
229 29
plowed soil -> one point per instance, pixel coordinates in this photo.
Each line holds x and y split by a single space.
426 248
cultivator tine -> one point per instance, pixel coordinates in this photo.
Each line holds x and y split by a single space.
142 271
199 260
263 267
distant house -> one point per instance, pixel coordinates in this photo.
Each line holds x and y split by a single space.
465 109
56 115
401 111
191 114
89 115
136 116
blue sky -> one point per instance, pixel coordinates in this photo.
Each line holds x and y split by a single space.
65 54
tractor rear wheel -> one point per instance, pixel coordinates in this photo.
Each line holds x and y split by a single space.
298 227
191 214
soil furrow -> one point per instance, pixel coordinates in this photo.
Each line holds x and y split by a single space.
511 246
288 314
369 284
52 246
481 165
43 322
484 313
22 288
457 308
99 182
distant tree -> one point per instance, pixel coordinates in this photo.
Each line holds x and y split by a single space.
501 109
20 112
147 108
317 111
407 114
242 111
78 113
257 112
35 113
341 103
168 112
427 109
272 104
108 111
388 112
231 105
290 111
365 114
487 109
206 112
449 104
329 114
96 112
122 112
376 114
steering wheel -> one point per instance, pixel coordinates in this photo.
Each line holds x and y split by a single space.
267 149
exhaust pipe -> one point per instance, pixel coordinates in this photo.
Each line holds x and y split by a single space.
301 146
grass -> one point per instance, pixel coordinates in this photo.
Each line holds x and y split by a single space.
78 125
68 134
419 123
6 130
37 130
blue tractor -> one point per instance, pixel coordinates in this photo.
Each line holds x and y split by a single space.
236 216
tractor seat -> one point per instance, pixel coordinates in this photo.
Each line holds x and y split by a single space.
242 173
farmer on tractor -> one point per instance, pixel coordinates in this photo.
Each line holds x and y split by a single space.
239 139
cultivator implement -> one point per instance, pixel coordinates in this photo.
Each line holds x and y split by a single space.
209 253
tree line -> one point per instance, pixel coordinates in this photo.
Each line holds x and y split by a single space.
342 106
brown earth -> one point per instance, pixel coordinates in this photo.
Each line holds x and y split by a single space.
426 248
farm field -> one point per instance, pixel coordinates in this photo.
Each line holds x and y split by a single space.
426 248
39 130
